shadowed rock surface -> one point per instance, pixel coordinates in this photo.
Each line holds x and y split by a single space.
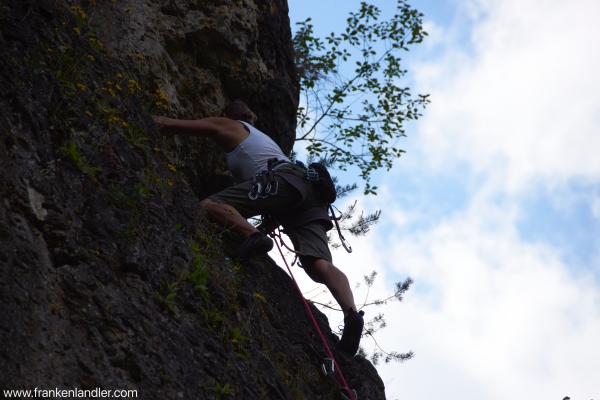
110 276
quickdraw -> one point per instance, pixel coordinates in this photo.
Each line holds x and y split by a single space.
335 219
330 366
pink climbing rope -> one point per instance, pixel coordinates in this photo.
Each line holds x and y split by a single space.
346 387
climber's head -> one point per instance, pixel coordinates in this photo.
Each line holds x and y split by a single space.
239 111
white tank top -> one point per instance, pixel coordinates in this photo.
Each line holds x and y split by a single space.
252 155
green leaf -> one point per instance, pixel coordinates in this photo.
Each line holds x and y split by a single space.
95 46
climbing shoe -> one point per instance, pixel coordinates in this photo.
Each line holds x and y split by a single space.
353 326
257 243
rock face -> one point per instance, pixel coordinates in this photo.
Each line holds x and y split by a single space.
110 275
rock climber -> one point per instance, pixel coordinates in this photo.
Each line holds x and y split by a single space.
248 152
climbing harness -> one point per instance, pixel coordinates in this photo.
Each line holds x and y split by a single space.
264 184
330 365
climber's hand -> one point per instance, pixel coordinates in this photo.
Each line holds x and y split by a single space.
159 120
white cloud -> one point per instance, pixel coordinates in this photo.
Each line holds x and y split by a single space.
504 319
498 317
596 207
524 98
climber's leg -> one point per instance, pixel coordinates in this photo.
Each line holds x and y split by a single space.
322 271
228 217
232 206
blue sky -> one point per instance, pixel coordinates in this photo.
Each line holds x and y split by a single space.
495 208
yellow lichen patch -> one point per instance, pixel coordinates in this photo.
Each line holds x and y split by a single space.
77 31
160 98
172 167
133 85
91 57
139 56
79 11
118 75
89 113
81 86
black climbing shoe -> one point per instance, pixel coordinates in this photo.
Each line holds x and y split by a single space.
353 326
257 243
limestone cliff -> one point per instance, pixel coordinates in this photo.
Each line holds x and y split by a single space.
110 276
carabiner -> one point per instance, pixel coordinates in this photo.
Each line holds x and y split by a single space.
346 244
272 187
328 366
255 191
312 174
343 393
263 192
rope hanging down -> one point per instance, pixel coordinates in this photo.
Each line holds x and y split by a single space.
337 368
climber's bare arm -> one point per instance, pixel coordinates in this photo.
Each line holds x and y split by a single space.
226 133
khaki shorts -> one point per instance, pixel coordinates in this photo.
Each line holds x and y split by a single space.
309 239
